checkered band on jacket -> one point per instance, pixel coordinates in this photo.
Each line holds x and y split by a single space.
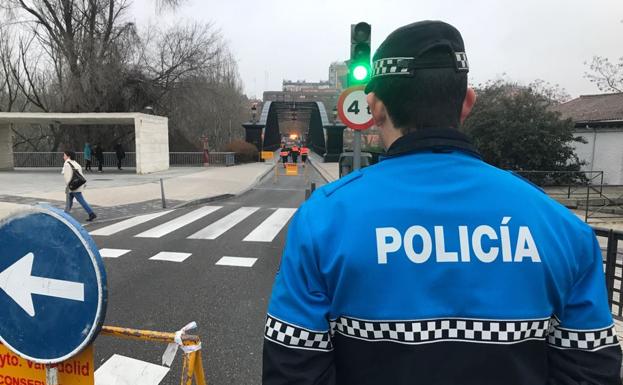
438 330
296 337
564 338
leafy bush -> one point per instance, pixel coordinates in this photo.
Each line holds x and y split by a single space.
245 152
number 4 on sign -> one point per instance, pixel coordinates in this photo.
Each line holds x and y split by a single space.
354 107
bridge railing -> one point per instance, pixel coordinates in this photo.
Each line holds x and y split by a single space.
176 159
613 267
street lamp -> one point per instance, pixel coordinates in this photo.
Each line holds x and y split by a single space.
254 113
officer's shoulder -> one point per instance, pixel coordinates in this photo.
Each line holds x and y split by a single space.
526 180
330 188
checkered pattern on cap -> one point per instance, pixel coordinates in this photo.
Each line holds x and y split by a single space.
392 66
405 66
563 338
461 61
438 330
296 337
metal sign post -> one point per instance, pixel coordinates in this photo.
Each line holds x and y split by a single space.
357 151
353 110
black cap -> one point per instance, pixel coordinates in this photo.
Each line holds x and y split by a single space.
400 55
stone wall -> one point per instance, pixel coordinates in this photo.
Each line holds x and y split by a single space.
152 144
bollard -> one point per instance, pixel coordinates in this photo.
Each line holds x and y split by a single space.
307 194
164 203
313 186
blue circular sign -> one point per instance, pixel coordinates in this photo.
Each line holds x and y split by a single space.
52 285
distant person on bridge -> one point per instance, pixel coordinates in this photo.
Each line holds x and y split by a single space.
69 168
432 266
284 155
295 153
304 154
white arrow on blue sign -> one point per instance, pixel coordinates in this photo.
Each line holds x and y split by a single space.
20 285
53 285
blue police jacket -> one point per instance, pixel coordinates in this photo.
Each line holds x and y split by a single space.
434 267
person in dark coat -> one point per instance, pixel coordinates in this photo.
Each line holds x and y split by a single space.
99 155
120 152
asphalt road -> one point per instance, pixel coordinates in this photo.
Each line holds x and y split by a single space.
228 302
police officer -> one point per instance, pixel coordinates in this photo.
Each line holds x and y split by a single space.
304 154
456 273
295 153
284 153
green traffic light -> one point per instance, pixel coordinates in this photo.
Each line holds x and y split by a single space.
360 72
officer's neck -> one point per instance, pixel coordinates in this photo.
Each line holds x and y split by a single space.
389 134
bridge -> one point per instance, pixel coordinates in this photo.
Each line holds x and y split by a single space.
307 120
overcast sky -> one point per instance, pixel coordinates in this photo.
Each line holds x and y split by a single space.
518 40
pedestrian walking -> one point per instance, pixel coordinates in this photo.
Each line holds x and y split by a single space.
88 154
304 154
295 153
120 153
99 155
284 155
432 266
75 184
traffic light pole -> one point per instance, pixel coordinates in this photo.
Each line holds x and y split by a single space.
357 151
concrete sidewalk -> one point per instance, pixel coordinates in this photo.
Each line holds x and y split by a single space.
115 194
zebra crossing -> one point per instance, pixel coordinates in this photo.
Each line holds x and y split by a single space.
275 220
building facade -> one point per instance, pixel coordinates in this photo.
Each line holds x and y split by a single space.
599 121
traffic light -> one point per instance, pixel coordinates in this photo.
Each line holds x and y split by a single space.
359 69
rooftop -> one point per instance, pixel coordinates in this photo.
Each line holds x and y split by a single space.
593 108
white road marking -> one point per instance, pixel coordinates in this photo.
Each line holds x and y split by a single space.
177 223
236 261
128 223
125 370
170 256
269 229
113 253
219 227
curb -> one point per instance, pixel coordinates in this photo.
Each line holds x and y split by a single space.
255 182
320 171
199 201
193 202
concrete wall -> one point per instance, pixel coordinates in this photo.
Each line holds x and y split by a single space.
603 152
152 144
6 147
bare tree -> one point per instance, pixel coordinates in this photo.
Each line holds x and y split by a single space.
84 33
84 55
608 76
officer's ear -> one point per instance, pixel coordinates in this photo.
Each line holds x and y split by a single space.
468 103
377 109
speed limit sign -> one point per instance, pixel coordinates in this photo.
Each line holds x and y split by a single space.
353 109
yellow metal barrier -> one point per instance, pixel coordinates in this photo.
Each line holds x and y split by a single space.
266 155
192 366
292 169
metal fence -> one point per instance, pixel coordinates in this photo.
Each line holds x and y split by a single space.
613 267
176 159
582 190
